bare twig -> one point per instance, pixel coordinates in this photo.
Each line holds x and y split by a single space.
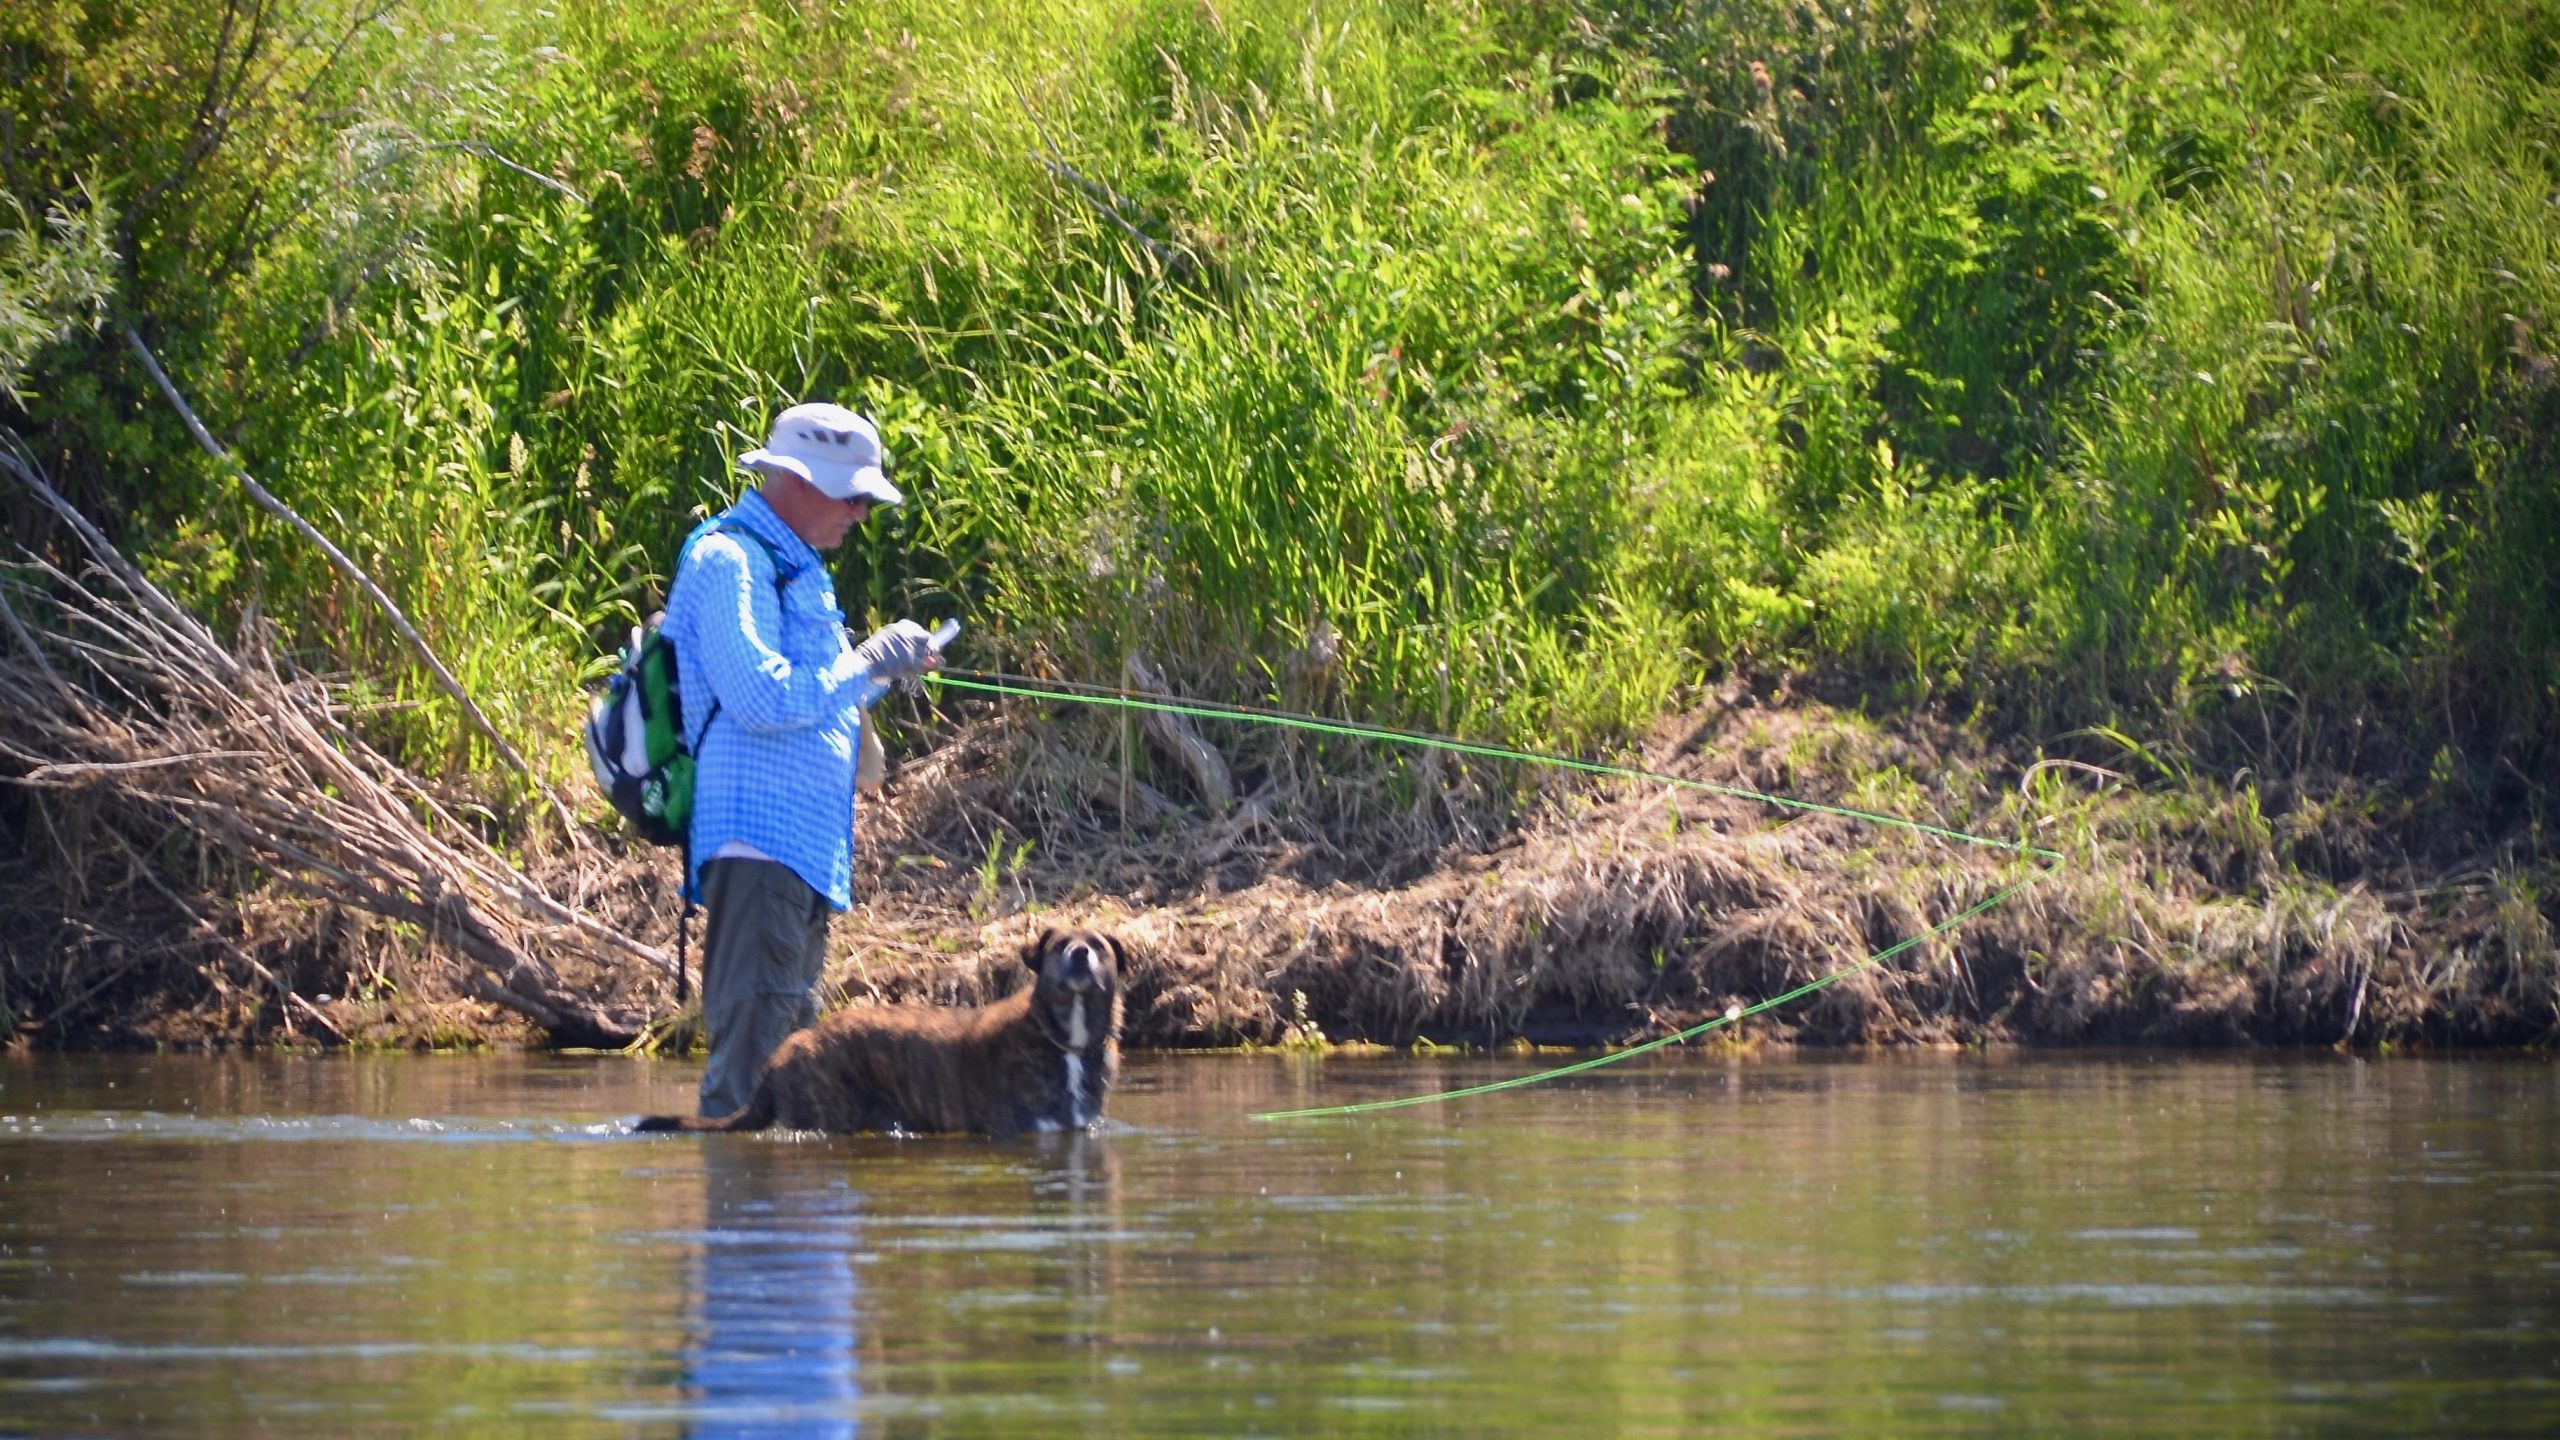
346 566
1168 258
1199 759
138 705
62 773
1104 199
2082 766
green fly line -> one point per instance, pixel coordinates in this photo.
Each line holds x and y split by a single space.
1028 687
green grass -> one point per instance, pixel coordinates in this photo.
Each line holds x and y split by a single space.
2075 364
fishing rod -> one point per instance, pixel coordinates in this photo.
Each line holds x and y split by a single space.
1001 683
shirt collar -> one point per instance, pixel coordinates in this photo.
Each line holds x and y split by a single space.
754 512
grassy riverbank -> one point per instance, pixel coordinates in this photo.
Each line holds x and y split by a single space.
2121 909
2089 383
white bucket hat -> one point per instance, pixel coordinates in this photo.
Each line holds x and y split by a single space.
833 449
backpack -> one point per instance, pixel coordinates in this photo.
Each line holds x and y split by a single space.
636 738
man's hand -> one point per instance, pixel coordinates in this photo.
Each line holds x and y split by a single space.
899 650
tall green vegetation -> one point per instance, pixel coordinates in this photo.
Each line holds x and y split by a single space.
2137 359
2064 362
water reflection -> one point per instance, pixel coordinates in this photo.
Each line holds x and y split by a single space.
770 1347
2010 1245
776 1335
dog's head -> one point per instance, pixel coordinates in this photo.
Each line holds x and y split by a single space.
1076 984
1075 961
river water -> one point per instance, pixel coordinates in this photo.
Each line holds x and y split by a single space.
1683 1245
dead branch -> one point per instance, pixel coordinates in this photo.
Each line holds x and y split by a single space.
113 690
346 566
1169 260
1104 199
1199 759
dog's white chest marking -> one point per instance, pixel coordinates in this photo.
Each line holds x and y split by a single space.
1076 1038
1075 1084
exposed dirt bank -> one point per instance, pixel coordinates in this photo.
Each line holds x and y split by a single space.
2181 911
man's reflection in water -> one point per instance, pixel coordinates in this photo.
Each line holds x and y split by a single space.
775 1343
772 1319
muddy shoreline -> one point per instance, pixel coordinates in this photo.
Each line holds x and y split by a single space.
1587 914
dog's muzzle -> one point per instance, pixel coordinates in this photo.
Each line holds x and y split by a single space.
1075 968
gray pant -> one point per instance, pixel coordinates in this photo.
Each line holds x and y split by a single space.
760 962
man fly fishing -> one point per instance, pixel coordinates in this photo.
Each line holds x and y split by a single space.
775 698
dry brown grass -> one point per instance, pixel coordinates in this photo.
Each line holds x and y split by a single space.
225 860
210 811
1613 913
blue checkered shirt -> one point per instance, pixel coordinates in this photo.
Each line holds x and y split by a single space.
773 765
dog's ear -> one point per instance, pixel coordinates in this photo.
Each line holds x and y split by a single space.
1119 954
1031 953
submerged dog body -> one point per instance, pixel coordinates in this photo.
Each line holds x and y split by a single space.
1042 1058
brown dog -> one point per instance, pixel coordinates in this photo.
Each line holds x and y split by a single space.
1042 1058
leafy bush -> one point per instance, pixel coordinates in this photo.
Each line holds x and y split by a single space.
2088 360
